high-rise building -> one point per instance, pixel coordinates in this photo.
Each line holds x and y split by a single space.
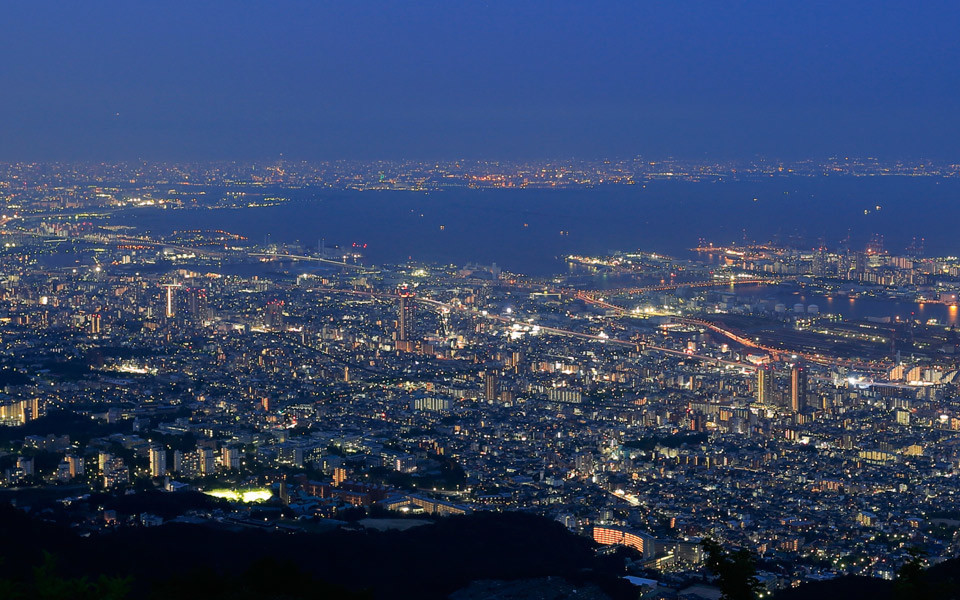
75 463
170 305
95 324
764 381
158 461
230 457
197 305
206 460
490 385
273 315
432 403
33 408
115 473
610 535
339 476
819 265
102 459
13 413
406 329
25 464
19 412
63 471
443 329
798 387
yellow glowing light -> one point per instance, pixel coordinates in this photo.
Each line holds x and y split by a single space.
247 496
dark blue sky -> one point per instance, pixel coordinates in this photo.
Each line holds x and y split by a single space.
479 79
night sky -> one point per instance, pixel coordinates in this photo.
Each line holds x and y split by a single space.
480 79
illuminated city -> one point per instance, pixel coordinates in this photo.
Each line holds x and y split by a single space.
731 394
295 303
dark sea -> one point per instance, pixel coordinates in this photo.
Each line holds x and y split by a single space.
530 230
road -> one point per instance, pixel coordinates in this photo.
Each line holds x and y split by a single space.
510 321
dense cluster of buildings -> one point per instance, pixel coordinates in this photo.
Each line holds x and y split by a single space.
872 265
424 390
76 185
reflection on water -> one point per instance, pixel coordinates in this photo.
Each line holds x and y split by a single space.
855 307
529 231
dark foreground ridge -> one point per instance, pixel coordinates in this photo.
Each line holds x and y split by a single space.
192 561
940 582
485 554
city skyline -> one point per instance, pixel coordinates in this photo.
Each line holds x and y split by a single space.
634 399
468 299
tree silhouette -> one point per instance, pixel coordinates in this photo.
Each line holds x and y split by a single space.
48 584
736 572
911 583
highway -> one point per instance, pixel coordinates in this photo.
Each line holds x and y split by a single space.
777 352
588 297
144 241
326 261
638 346
594 299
